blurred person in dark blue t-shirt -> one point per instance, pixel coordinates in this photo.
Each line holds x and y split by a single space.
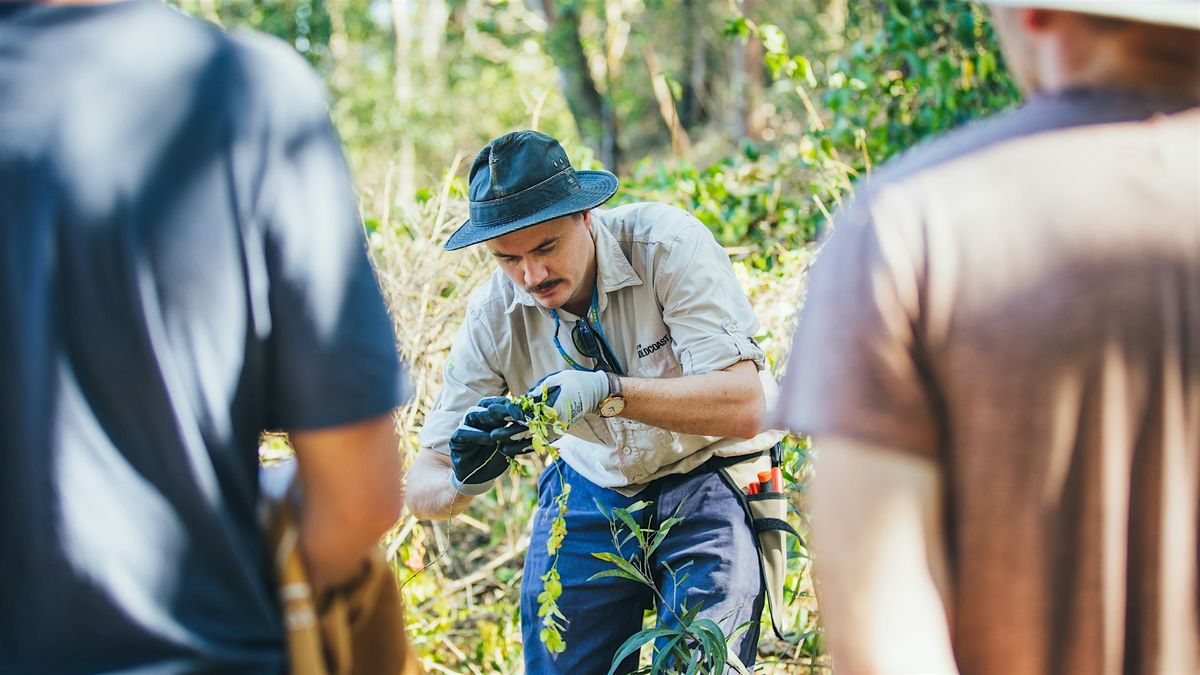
181 267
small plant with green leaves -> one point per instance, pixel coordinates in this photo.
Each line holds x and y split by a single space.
543 422
544 425
692 645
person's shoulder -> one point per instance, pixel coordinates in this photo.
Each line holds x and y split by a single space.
963 142
941 168
650 223
274 69
169 24
1031 131
492 297
271 60
240 70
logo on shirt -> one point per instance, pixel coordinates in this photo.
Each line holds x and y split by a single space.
643 352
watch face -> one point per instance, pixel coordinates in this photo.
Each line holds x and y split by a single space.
612 406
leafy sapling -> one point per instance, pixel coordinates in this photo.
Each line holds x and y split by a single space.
544 425
691 645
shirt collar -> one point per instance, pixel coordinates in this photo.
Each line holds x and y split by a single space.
613 271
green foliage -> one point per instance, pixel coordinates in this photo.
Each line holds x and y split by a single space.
470 71
743 199
552 618
930 66
544 426
542 420
847 86
918 70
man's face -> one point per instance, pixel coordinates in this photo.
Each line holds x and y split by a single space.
552 261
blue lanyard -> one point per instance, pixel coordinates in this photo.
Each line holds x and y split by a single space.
595 312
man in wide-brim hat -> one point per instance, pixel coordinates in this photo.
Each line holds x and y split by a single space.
999 359
631 324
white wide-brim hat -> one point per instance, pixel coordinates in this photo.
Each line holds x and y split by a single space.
1185 13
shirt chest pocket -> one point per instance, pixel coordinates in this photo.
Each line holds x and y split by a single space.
655 357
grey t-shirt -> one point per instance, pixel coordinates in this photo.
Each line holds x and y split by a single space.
181 267
1019 303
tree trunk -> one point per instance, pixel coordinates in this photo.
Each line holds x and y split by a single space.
746 83
592 112
616 39
339 45
692 111
680 143
433 34
737 90
756 75
402 92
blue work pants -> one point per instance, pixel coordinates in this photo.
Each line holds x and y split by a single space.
714 534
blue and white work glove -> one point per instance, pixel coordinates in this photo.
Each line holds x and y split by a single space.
488 436
572 393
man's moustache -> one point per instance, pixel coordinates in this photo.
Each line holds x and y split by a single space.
545 286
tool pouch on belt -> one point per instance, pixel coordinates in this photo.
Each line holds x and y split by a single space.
768 516
356 626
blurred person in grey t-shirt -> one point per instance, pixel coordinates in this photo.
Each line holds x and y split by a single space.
182 268
999 359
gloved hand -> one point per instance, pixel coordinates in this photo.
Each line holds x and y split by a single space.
572 393
489 434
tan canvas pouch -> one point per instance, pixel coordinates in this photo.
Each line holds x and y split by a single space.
768 517
357 626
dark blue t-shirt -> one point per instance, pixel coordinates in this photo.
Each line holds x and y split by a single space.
181 267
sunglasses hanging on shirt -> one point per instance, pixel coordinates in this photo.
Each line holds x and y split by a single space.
589 340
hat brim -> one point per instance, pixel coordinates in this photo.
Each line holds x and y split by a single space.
1185 14
595 188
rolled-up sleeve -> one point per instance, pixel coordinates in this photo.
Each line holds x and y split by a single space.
471 373
710 319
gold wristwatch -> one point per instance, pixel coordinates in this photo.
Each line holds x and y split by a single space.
615 402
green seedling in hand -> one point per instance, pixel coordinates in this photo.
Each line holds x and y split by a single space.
545 425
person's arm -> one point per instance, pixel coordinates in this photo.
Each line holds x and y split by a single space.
710 322
727 402
880 559
352 493
431 494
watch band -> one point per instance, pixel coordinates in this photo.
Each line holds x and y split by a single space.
614 403
614 386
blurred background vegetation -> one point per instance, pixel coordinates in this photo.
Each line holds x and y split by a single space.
756 116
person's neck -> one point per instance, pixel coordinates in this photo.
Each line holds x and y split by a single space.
1166 84
582 301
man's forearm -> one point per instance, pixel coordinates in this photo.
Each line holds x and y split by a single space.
430 495
726 402
352 493
333 543
880 559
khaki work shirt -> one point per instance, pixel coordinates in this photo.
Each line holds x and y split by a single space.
669 306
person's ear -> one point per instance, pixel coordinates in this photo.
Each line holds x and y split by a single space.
1035 19
587 219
